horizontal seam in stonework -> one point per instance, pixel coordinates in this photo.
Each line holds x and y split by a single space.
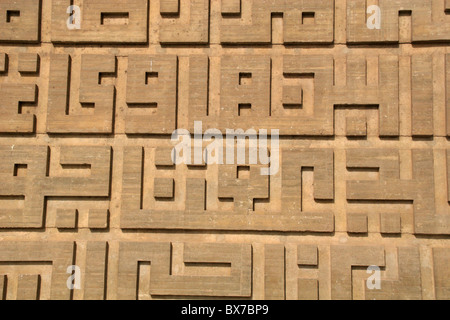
80 135
233 45
233 231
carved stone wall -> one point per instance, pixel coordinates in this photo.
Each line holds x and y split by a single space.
86 175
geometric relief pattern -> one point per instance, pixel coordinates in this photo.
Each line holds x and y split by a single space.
102 21
20 20
20 96
223 200
28 181
93 207
429 21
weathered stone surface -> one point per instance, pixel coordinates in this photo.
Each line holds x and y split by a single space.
89 186
20 20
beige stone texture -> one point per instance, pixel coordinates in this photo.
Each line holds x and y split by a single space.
86 170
